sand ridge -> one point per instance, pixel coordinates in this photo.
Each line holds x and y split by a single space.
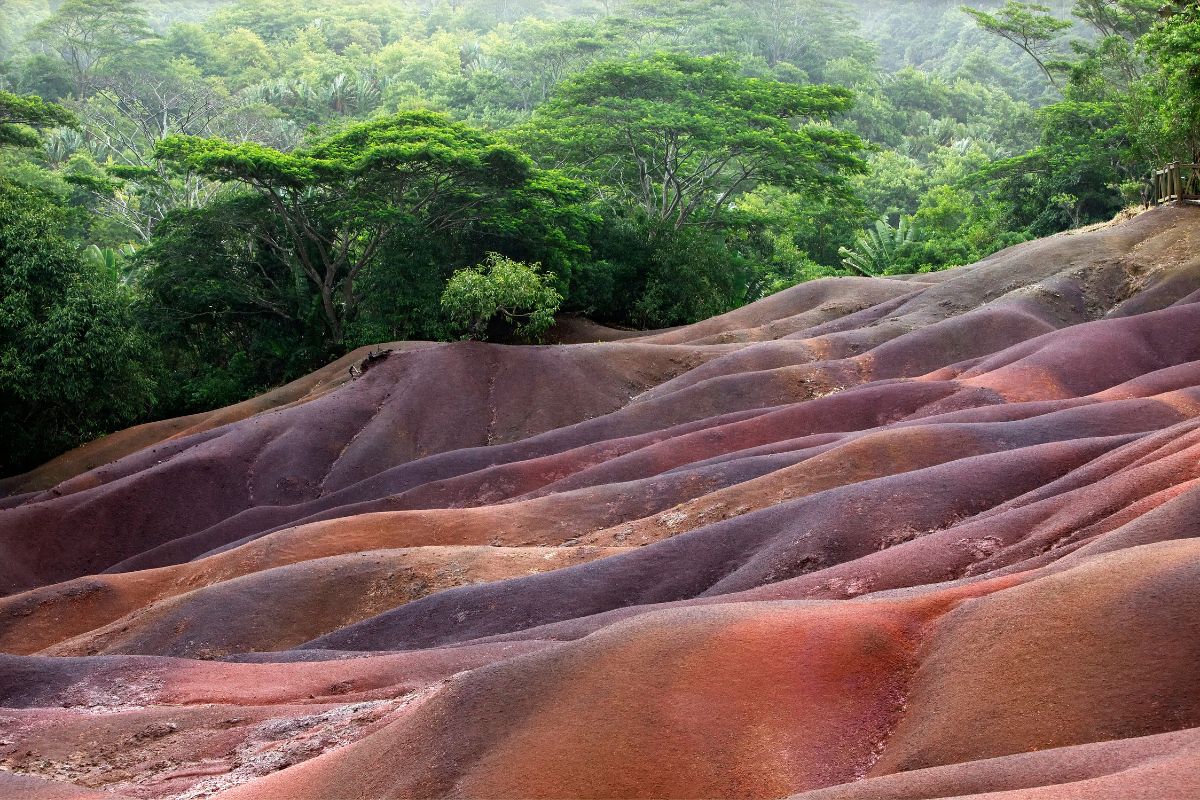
927 536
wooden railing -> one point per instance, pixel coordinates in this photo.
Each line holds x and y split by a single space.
1174 182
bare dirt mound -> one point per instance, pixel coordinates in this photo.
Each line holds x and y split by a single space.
922 537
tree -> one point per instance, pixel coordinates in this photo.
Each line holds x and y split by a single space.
415 174
526 63
877 251
1170 95
19 114
501 289
808 34
681 137
1074 176
1127 18
792 237
689 275
130 113
230 318
72 358
87 34
1029 26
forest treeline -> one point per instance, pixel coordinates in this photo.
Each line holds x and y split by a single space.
201 199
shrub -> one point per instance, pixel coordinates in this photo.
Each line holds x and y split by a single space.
500 289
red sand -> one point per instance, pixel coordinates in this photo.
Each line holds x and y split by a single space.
925 537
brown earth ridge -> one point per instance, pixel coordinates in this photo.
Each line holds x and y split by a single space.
906 538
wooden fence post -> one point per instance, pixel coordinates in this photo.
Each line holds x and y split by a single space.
1175 181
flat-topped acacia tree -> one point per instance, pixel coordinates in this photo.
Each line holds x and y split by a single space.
416 173
681 137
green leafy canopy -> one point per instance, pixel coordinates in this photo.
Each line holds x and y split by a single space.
21 116
682 137
501 288
415 173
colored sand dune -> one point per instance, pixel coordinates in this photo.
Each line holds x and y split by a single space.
923 537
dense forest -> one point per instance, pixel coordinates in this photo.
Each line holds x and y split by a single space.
200 199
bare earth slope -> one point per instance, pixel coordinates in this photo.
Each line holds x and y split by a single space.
923 537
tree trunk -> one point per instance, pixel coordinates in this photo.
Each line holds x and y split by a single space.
332 320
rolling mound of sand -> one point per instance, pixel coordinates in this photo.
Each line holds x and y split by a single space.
923 537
